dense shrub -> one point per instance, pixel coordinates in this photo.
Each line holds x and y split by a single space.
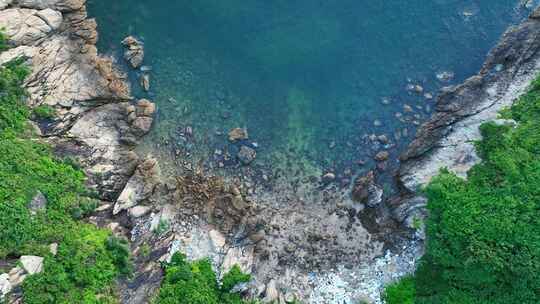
484 232
81 272
3 41
13 113
402 292
196 283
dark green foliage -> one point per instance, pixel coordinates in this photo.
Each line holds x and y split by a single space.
81 272
84 208
402 292
119 249
484 233
13 113
88 260
196 283
3 41
44 112
232 278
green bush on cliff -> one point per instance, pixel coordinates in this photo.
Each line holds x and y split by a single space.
3 41
13 113
83 268
401 292
196 283
484 232
88 259
44 112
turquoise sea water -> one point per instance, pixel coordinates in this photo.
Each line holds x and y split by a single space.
309 79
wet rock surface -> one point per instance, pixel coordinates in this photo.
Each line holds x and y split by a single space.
134 53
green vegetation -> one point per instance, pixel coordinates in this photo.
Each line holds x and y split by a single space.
196 283
44 112
162 227
89 259
401 292
484 232
3 41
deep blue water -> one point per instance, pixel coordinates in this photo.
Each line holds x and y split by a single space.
306 77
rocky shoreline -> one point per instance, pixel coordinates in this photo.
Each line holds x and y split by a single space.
97 124
447 139
315 250
90 96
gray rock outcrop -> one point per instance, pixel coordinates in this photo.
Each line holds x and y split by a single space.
134 53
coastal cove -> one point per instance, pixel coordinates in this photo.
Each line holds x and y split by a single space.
312 82
283 152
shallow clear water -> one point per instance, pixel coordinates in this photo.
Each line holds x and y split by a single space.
308 78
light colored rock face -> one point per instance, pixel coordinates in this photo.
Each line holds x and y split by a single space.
243 257
456 151
139 187
32 264
17 276
5 285
51 17
27 26
5 3
60 5
139 211
447 140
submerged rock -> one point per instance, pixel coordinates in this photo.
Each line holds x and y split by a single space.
237 134
328 178
382 156
246 155
145 82
445 76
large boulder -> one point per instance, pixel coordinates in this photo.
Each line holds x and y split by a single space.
139 187
32 264
134 53
238 134
5 285
246 155
366 191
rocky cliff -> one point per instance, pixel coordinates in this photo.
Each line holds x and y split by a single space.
447 139
91 98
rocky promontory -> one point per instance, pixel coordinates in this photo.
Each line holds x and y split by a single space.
447 140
